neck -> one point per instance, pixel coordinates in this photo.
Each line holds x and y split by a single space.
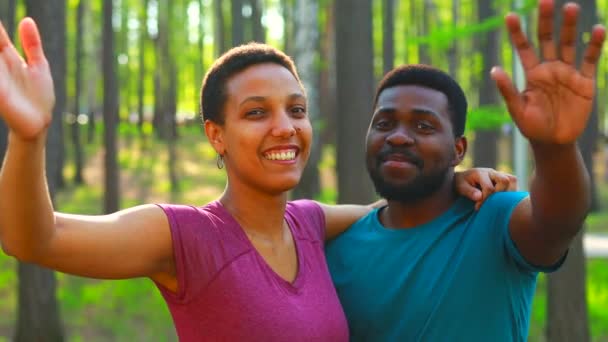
411 214
258 213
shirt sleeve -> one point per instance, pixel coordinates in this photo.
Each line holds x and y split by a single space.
502 204
190 239
314 216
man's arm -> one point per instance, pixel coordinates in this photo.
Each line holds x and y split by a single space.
476 184
552 112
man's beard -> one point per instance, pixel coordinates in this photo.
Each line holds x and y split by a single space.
418 188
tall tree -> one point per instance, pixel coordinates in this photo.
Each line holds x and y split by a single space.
486 140
200 62
238 25
259 34
305 53
166 83
287 10
7 16
425 10
453 50
143 37
219 32
38 313
388 35
110 113
355 84
327 77
566 289
75 125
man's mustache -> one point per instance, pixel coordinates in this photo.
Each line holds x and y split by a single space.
402 152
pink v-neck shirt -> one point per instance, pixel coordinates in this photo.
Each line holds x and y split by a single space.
227 291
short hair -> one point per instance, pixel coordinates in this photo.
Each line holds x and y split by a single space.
430 77
213 89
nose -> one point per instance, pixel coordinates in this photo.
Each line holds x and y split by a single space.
283 126
400 136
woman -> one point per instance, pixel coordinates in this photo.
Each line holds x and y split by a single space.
249 266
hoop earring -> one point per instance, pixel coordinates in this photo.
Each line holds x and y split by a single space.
219 162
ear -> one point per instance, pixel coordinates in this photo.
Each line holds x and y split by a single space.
460 149
215 135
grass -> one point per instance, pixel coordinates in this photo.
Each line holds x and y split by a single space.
133 310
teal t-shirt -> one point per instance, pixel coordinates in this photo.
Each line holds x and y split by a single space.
456 278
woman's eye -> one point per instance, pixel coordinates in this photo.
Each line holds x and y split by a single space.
298 111
255 112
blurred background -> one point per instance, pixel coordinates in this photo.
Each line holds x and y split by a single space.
126 131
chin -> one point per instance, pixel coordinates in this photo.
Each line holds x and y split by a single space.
284 184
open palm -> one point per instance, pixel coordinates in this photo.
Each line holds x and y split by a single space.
26 89
556 103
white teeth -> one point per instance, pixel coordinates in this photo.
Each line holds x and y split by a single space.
285 155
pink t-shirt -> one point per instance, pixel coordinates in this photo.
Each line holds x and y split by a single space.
227 292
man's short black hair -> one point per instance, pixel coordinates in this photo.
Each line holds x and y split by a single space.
430 77
213 90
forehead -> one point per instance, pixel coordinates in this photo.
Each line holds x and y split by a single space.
262 80
407 97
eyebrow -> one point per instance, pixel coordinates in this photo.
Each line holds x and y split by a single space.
293 96
415 110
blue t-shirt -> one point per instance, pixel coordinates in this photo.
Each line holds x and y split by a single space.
459 277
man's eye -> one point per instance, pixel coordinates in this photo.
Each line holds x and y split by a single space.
424 126
383 124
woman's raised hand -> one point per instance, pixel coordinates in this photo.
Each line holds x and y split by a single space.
27 96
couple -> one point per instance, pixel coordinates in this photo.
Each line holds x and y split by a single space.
251 265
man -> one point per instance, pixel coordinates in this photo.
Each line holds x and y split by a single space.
428 267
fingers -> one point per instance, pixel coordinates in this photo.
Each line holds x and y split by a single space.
509 92
567 37
466 183
520 42
8 54
593 51
4 40
545 30
30 39
503 181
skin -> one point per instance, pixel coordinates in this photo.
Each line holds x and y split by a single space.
551 112
414 119
265 112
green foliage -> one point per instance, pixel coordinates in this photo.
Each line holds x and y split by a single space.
443 37
487 117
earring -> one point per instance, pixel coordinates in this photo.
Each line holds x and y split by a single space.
220 161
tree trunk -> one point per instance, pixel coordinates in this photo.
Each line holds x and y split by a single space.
305 54
567 297
424 50
7 16
238 27
355 84
220 32
287 9
257 9
327 87
110 113
75 125
453 50
567 318
388 35
486 140
38 316
143 36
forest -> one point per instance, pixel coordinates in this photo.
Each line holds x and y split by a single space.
126 130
